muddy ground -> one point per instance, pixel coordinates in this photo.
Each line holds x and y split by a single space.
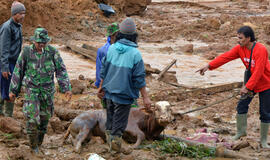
192 32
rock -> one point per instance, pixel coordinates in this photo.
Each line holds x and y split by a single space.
225 26
81 77
17 153
221 130
166 50
168 77
220 47
239 145
266 28
77 86
263 7
102 1
50 131
244 4
224 18
212 23
217 119
210 55
206 37
202 49
10 125
188 48
57 125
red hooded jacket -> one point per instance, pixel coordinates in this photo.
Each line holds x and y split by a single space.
260 66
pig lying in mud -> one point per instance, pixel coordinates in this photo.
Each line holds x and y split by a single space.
142 125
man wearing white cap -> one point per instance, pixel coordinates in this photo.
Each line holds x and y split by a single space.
10 48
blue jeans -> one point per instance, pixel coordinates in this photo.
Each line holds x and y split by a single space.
264 98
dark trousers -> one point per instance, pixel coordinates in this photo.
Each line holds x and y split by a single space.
264 98
117 117
4 83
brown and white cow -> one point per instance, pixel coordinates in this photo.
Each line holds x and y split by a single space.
142 125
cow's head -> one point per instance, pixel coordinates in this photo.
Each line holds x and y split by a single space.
163 113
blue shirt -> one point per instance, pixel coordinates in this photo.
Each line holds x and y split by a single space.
101 52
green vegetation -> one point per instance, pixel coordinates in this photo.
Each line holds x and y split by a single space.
171 146
8 136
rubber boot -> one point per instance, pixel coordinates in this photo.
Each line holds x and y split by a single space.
40 138
264 135
1 106
33 139
9 109
116 143
241 126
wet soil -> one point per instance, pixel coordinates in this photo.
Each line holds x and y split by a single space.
165 29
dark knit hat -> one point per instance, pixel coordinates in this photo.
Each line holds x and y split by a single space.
128 26
17 7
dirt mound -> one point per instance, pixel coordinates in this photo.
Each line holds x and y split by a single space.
54 15
64 18
10 125
57 125
77 86
131 7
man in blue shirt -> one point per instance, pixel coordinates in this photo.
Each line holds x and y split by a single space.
112 31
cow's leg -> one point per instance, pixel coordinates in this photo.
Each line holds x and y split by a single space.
73 141
140 137
80 138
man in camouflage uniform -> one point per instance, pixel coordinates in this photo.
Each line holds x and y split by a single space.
35 70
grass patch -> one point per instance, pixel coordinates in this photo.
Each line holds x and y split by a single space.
171 146
8 136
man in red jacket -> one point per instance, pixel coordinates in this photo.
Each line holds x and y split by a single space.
259 82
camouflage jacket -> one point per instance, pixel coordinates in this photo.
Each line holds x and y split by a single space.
36 71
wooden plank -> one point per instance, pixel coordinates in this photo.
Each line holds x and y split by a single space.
166 69
183 93
82 51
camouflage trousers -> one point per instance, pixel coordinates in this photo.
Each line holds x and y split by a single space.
38 109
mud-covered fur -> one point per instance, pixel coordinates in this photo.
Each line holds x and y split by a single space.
142 125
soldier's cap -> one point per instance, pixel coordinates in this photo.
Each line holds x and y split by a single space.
41 36
112 28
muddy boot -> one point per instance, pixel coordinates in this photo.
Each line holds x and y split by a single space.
1 106
117 146
9 109
33 139
264 134
241 126
40 138
116 143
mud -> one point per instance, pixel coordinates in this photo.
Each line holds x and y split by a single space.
193 32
